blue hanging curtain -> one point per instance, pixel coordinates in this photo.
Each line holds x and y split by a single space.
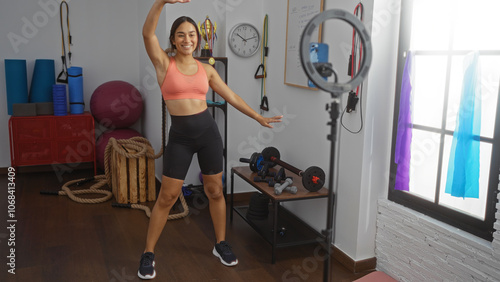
402 154
463 167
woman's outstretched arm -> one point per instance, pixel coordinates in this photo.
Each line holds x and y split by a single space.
219 86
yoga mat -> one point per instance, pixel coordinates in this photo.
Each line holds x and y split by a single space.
59 99
75 89
16 82
44 77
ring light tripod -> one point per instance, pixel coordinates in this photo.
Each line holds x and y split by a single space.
335 89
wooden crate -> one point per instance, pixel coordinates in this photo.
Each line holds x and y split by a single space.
133 180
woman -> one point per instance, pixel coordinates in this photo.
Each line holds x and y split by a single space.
184 83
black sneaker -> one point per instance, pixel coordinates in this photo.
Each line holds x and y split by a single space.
224 253
147 267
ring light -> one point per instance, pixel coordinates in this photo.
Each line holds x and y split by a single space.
310 70
335 89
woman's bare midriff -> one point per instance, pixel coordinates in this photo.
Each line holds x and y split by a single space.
186 107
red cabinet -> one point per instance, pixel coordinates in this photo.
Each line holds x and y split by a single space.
47 140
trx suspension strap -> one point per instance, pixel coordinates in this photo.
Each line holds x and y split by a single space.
264 104
356 45
63 75
355 59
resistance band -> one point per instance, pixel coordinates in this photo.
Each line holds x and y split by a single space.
264 49
358 11
353 69
63 75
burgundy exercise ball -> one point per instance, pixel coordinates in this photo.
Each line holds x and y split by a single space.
116 104
102 141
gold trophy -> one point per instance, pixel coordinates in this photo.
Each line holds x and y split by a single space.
207 30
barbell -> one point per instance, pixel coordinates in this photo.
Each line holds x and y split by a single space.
313 178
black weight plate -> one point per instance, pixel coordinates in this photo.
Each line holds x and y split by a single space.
269 152
253 162
313 178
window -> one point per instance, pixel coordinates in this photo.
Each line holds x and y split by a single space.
440 34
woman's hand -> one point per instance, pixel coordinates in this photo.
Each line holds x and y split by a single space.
265 121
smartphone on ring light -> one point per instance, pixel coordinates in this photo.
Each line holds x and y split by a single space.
318 53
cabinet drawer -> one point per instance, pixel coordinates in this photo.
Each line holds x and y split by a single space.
75 151
31 153
30 129
72 127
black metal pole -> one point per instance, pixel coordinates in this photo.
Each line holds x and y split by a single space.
334 114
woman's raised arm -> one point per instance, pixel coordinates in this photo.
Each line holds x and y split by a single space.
153 48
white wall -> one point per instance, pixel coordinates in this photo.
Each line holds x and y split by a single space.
379 119
415 247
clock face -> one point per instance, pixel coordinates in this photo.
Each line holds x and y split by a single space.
244 40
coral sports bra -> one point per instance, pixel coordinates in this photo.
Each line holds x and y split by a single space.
180 86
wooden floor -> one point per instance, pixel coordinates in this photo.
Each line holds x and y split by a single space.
57 239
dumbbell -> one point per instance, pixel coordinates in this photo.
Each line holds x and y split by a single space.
264 171
278 178
269 181
278 188
313 178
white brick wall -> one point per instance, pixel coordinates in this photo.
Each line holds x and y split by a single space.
413 247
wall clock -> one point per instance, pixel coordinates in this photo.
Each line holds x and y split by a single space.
244 39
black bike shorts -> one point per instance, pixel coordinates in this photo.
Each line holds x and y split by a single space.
191 134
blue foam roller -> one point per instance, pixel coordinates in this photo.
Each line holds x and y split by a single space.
16 82
75 89
44 77
59 99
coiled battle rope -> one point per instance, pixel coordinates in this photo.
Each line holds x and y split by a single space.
143 148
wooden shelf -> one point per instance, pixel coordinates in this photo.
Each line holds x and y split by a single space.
297 231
